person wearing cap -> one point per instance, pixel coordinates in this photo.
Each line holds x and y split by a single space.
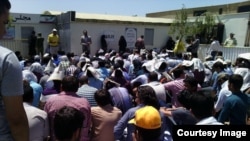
86 41
231 41
147 123
145 96
53 42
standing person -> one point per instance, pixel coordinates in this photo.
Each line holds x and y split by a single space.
122 45
104 45
53 41
39 44
13 119
139 44
214 47
231 41
32 44
195 46
86 41
169 44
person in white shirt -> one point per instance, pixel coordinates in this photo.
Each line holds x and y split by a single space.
37 119
224 92
214 47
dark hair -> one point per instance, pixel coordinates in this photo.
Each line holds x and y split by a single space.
4 5
28 95
147 96
110 84
67 120
101 63
102 97
184 98
178 72
118 73
149 134
150 56
191 81
202 105
83 80
163 66
236 80
153 76
218 64
70 84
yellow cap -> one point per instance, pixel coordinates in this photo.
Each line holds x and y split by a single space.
147 118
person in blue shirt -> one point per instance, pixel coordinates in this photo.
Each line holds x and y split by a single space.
235 106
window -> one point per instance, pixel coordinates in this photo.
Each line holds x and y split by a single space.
199 12
245 8
149 36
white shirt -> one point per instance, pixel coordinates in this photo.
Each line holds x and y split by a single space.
223 94
38 122
215 46
159 90
209 121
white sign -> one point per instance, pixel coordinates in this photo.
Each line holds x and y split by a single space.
130 36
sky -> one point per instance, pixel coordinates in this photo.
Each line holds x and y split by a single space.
110 7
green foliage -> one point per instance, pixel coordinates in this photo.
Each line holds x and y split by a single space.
46 13
181 25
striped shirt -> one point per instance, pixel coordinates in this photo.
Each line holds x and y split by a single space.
175 87
87 92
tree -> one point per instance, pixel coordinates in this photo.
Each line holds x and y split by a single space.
180 26
204 25
46 13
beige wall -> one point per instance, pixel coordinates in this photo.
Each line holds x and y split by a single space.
95 30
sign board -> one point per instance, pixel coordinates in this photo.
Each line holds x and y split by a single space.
10 33
130 36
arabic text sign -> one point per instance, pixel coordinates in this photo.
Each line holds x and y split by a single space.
109 36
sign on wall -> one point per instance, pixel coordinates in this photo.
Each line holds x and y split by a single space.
109 36
130 36
10 33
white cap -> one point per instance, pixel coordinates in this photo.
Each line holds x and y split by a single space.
54 29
